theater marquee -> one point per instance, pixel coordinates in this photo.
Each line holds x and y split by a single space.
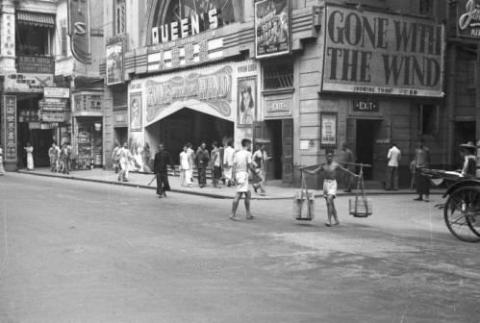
379 53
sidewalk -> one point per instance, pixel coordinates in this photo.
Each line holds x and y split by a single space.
141 180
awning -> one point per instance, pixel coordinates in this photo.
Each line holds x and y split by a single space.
36 19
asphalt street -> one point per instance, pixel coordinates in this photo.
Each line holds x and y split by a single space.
72 251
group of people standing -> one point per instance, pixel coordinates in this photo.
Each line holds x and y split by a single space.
60 158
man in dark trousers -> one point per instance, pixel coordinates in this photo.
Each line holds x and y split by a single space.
162 159
203 157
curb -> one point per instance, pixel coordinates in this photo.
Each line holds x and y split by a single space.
210 195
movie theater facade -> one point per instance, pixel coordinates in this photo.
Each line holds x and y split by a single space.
297 78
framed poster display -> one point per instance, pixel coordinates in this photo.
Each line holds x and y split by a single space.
136 111
272 28
328 133
247 101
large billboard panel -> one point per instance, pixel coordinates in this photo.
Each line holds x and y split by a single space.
272 28
380 53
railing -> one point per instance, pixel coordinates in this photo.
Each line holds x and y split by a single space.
35 64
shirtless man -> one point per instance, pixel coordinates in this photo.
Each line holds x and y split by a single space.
330 185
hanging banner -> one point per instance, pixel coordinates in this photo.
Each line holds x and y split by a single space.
272 28
114 61
79 30
380 53
9 105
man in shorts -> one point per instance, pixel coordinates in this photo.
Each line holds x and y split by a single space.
329 170
242 161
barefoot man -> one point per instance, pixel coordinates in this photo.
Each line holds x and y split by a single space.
330 184
241 164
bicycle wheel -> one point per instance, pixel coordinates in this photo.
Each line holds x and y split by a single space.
461 213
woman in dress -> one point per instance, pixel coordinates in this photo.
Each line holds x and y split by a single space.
29 150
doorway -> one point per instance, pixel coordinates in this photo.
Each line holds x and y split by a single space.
40 139
188 126
366 135
121 135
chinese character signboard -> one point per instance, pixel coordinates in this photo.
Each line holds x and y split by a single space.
328 124
272 28
9 104
79 30
380 53
114 63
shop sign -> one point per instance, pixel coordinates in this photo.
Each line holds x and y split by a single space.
380 53
33 83
7 34
468 18
54 116
79 30
214 89
87 104
51 104
328 124
9 103
278 109
365 106
114 63
272 28
56 92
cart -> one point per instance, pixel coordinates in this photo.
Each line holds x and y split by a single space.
461 210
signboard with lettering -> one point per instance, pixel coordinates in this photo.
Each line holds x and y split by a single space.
33 83
56 92
328 124
9 117
278 108
79 30
380 53
365 105
88 104
272 28
468 18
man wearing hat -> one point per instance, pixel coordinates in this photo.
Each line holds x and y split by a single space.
469 167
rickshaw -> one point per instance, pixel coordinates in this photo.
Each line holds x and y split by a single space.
461 210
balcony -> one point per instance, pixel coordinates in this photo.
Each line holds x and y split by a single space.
35 64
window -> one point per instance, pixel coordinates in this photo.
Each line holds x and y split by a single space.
120 17
429 119
32 41
425 7
278 74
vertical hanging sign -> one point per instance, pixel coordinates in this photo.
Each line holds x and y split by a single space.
79 30
9 103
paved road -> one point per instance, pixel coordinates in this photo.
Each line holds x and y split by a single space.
82 252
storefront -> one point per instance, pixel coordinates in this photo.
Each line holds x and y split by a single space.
198 105
88 129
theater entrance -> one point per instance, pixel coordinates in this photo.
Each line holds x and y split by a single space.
187 125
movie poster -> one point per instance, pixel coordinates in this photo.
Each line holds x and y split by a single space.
247 101
114 63
272 28
136 112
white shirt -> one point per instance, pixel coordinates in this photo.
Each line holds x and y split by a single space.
393 156
228 155
184 160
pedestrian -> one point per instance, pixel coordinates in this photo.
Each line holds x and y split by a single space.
258 169
412 175
63 159
68 160
161 161
191 160
30 162
394 155
116 158
185 168
242 161
469 167
124 159
228 162
347 160
202 159
217 170
329 170
422 160
146 156
2 169
52 154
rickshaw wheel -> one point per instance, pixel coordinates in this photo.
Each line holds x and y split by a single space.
462 213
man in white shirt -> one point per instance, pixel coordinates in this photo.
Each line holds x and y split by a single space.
394 155
228 155
241 164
